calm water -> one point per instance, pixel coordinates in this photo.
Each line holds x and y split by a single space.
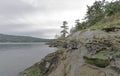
17 57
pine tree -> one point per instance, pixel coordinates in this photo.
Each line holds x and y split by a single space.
64 31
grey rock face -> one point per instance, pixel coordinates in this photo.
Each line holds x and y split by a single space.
100 47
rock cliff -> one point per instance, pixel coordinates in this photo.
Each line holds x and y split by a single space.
88 53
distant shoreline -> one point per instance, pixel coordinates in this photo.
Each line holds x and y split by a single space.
21 42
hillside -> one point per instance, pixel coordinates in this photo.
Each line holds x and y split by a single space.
12 38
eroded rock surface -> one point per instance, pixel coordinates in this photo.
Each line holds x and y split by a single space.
90 53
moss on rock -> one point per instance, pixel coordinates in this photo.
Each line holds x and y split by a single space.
97 61
33 71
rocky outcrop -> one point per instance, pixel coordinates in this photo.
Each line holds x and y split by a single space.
88 53
112 29
45 66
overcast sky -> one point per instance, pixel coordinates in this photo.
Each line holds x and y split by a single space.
39 18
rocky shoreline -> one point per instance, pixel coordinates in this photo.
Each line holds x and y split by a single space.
88 53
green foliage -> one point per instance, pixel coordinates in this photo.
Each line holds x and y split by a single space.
107 24
112 8
100 14
80 26
95 12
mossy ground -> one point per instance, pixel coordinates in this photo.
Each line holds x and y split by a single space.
100 59
104 54
33 71
107 24
97 62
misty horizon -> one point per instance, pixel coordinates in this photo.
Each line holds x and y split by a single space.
40 19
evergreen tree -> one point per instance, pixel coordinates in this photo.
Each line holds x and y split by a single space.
78 24
64 31
112 8
95 12
99 11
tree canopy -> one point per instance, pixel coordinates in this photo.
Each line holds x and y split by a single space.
98 11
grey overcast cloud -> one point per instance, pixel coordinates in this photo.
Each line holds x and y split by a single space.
39 18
